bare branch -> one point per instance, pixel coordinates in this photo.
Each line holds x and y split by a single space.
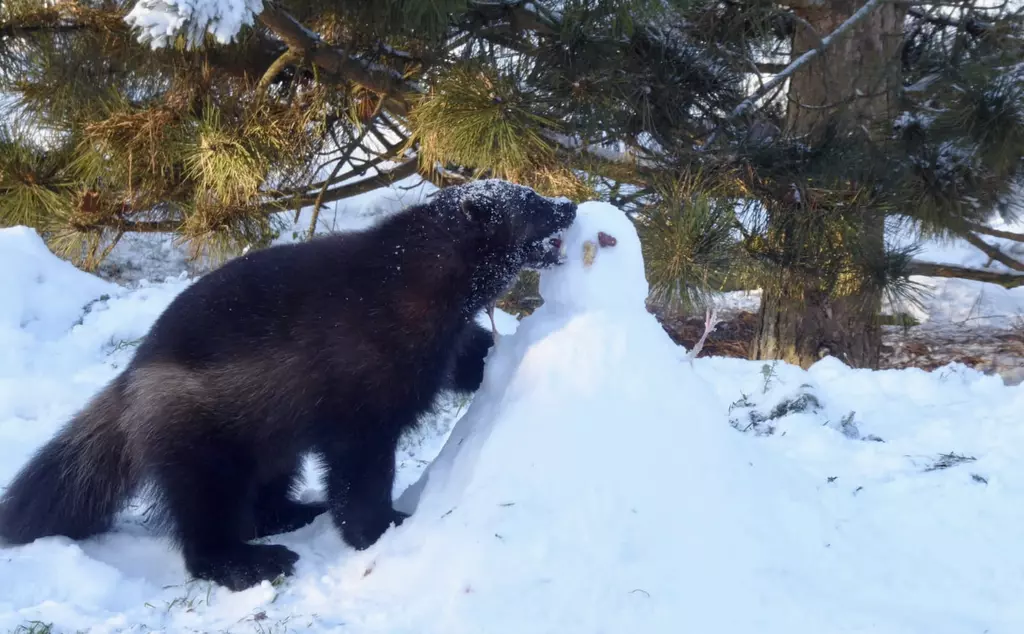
1008 235
383 81
930 269
155 226
769 68
801 61
991 251
403 170
290 56
971 25
346 155
803 4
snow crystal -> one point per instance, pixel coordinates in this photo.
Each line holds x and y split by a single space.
162 20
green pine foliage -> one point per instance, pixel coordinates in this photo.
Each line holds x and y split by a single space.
106 136
627 100
691 244
474 118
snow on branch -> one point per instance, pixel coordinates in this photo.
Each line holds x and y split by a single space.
162 20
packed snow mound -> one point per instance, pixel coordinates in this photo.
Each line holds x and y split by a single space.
595 484
591 486
598 482
607 277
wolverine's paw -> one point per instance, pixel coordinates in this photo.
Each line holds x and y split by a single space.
398 517
287 516
242 566
363 534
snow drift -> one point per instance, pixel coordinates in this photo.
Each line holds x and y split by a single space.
598 482
585 489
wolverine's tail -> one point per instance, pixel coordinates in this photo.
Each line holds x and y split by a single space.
78 481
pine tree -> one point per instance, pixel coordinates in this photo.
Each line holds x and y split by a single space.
860 158
209 136
754 143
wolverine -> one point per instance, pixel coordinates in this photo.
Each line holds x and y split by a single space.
331 348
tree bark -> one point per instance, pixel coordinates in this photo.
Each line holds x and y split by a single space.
854 83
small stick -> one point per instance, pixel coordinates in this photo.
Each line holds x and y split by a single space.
494 329
710 322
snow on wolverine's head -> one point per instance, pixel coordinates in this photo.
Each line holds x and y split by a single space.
604 265
510 214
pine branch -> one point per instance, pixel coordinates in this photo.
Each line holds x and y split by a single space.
300 39
992 251
382 179
930 269
390 84
345 156
16 30
1008 235
971 25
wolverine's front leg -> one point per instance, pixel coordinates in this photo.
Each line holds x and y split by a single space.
470 354
360 476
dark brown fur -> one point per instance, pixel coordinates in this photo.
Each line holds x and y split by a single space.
333 347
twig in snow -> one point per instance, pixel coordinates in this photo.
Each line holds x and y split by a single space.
947 460
710 322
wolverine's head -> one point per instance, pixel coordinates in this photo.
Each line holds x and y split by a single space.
513 220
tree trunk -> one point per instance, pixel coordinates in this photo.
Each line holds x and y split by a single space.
805 327
853 84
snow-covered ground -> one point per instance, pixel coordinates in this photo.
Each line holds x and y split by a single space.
598 482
